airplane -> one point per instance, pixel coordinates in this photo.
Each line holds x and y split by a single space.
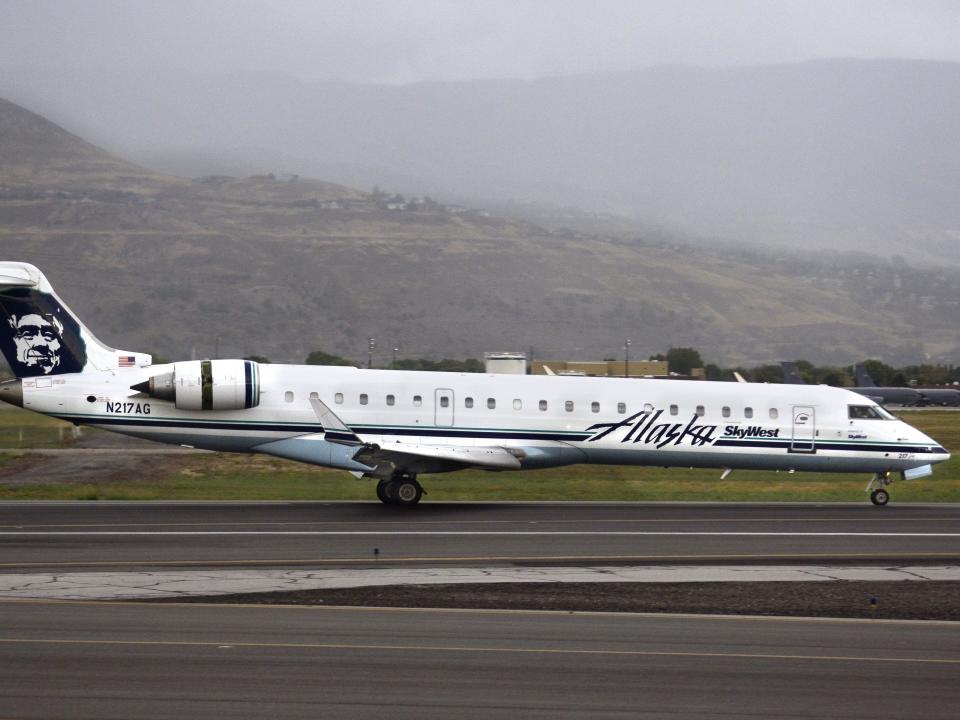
882 396
791 376
902 395
393 425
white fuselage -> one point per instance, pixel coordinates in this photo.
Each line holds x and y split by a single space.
544 421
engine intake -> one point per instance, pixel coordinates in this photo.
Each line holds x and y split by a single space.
207 385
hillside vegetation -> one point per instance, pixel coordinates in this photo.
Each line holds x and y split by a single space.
281 265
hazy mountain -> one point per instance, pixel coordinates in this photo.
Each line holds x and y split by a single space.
282 265
845 153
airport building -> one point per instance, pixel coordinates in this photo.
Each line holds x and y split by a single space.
515 363
505 363
602 368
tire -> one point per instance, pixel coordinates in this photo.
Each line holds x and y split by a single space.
406 491
880 497
384 492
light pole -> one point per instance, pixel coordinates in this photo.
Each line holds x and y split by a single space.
626 365
393 361
371 344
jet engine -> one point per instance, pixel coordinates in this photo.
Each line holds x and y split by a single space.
207 385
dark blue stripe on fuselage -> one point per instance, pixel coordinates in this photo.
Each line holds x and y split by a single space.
475 433
865 447
298 428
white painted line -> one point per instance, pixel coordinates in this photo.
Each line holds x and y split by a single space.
472 533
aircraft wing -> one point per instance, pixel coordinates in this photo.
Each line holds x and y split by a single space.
339 446
488 457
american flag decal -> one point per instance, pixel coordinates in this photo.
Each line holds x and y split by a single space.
127 360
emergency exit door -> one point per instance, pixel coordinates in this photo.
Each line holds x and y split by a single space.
443 407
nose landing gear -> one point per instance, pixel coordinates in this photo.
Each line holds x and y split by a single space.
877 488
400 489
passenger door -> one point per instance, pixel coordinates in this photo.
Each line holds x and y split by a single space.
804 430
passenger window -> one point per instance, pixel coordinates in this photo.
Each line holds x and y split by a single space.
517 404
725 411
621 408
417 401
594 407
363 398
774 413
543 405
491 403
748 412
568 406
701 411
674 409
288 396
648 408
444 401
314 396
338 398
468 402
391 400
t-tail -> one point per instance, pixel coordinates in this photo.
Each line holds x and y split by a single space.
863 377
792 376
41 337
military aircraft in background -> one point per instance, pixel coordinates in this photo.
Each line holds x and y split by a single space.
791 376
881 395
902 396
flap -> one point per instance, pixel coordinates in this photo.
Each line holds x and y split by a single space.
492 457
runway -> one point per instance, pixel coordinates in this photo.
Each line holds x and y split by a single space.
67 660
120 660
144 535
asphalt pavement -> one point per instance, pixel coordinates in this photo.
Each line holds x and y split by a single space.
136 535
74 660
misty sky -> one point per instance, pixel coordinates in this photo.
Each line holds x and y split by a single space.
402 41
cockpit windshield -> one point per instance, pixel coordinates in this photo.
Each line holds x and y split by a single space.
868 412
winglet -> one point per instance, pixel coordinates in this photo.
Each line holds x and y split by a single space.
334 428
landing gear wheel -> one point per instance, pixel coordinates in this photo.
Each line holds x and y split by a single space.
384 492
879 497
406 491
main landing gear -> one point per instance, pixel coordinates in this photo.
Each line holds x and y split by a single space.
400 489
877 488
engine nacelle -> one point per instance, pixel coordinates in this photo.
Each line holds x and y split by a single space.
207 385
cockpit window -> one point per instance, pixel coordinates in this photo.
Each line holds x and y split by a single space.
868 412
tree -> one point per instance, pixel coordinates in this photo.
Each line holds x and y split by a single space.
882 374
683 360
319 357
258 359
766 374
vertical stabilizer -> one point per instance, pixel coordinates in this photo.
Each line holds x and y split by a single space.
792 376
39 335
863 377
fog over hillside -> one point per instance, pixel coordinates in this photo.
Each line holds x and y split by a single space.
283 265
839 153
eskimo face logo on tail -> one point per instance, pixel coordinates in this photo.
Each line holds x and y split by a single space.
38 341
643 428
39 337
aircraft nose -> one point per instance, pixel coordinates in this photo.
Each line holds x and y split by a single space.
11 391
